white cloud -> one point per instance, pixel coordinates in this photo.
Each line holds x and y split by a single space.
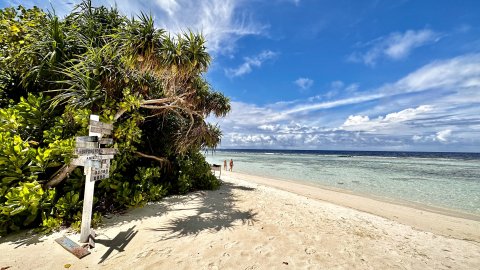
304 83
249 63
395 46
356 120
390 121
269 127
417 138
452 74
412 113
444 135
336 88
170 6
463 71
222 22
399 45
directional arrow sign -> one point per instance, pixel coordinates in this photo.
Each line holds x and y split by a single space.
106 141
95 151
99 124
80 144
103 131
86 139
80 161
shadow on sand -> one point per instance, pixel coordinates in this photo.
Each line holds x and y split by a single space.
118 243
24 239
213 212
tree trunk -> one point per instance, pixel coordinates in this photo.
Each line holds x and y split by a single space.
60 175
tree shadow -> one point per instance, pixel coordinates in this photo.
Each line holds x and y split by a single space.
212 213
23 240
118 243
152 209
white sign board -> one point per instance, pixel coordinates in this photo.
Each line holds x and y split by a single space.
96 162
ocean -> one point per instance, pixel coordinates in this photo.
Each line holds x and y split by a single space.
449 181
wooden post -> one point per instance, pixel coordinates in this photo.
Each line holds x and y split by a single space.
87 206
88 195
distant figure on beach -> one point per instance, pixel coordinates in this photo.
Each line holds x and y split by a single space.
231 164
225 164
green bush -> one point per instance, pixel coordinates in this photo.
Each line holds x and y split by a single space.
195 173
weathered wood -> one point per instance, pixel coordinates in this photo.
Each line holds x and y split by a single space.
99 130
95 169
72 247
99 124
94 163
99 177
80 161
86 139
95 151
87 206
92 133
102 173
103 170
104 141
91 239
86 144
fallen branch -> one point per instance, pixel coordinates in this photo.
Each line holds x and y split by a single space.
60 175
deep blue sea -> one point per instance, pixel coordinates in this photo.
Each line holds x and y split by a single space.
443 180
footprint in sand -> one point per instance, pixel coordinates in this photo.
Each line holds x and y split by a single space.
310 251
230 245
212 266
151 252
146 253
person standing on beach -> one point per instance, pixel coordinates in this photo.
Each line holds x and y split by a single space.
231 164
225 164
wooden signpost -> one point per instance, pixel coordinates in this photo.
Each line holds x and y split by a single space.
96 163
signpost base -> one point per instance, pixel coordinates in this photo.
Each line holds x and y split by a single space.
72 247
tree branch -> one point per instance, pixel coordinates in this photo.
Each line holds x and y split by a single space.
159 159
153 102
60 175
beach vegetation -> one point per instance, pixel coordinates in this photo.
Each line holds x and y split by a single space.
150 84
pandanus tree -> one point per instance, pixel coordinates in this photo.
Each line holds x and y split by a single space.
145 81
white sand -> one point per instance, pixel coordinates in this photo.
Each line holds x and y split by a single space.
246 225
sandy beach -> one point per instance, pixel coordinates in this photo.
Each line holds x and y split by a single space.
258 223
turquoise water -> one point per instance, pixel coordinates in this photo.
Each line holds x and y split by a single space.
452 183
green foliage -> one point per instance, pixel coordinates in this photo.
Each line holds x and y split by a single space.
22 203
16 156
69 204
18 33
50 223
55 72
194 173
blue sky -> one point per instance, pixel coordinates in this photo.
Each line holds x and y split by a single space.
345 74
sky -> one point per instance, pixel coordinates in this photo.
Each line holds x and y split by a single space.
334 75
